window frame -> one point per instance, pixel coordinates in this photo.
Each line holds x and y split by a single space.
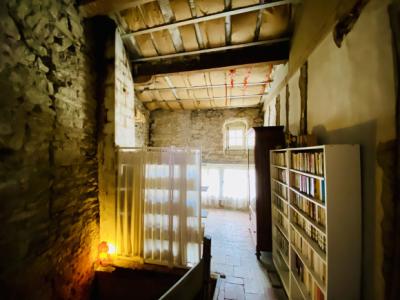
235 125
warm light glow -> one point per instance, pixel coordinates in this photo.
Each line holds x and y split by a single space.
111 249
104 257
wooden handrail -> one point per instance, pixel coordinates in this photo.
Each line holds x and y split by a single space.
196 282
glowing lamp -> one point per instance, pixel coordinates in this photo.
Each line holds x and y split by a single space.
104 255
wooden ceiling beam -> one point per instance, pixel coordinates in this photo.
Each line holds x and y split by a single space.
93 8
209 50
273 53
200 87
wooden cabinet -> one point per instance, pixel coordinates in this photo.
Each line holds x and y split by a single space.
262 140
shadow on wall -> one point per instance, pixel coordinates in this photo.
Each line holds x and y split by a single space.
365 135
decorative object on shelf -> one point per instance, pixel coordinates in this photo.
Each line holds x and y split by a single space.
316 217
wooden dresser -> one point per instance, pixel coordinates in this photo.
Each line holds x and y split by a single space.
263 139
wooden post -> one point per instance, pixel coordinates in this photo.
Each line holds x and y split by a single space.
207 266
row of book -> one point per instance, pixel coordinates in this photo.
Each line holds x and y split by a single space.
283 222
314 234
313 187
279 189
315 212
314 262
282 206
282 243
310 162
279 159
312 289
279 174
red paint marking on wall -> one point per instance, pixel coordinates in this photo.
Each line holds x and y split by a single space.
232 74
246 78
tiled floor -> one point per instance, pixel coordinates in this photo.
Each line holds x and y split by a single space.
232 251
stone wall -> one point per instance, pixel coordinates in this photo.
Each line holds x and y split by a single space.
48 166
202 129
351 99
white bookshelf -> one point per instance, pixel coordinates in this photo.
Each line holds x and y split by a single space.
316 216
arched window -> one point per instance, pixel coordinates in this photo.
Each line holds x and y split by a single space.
235 135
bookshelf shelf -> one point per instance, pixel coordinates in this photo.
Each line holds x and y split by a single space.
281 212
308 219
279 196
303 290
307 264
310 242
305 196
316 198
307 174
280 182
284 275
283 231
279 167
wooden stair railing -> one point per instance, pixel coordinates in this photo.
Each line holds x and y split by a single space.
195 284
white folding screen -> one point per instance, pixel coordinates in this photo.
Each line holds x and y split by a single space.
158 205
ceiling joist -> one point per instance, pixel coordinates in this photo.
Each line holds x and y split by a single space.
209 50
215 98
272 53
200 87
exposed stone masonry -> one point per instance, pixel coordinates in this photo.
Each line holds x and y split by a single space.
48 148
202 129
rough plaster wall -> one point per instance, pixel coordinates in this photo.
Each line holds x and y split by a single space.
203 129
351 100
48 165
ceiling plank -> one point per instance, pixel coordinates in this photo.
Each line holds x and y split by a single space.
274 53
211 17
104 7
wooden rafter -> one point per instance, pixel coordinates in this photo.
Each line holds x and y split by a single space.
210 17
